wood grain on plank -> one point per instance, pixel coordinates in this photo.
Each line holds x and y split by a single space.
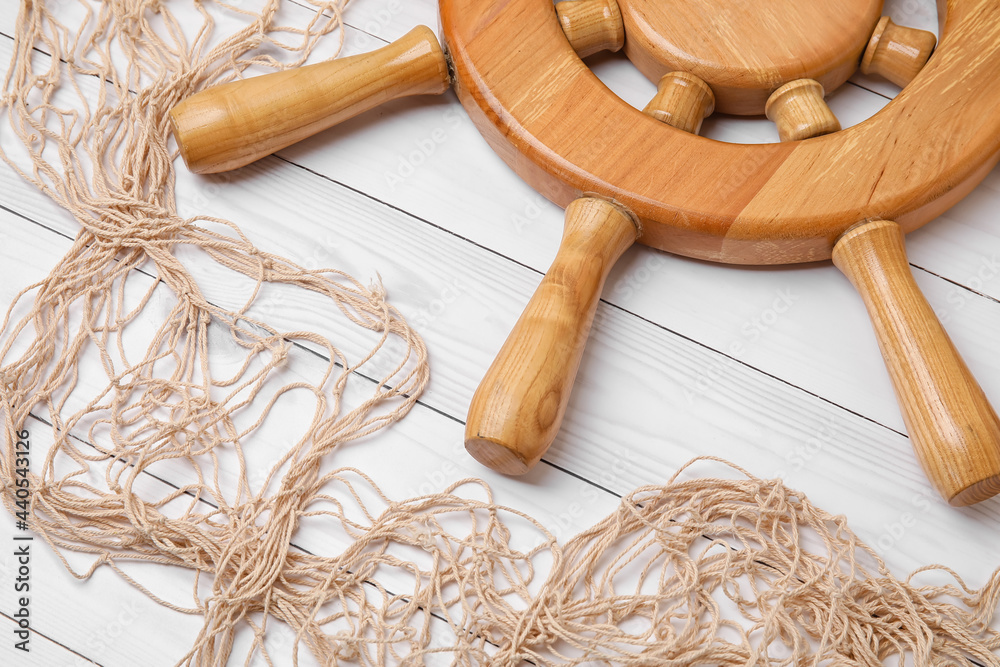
683 400
650 451
504 202
824 373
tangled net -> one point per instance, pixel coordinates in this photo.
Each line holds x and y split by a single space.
439 577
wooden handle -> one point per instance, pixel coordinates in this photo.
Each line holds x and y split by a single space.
897 53
518 407
953 429
592 26
682 100
800 112
232 125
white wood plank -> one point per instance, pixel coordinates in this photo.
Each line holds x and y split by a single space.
102 619
647 399
390 19
462 187
112 623
42 651
429 467
661 418
727 344
674 295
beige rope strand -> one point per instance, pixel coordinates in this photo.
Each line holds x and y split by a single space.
439 576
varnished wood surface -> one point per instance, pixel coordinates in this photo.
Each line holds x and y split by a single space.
518 408
800 111
954 430
731 203
897 53
591 26
554 122
231 125
745 49
696 358
683 101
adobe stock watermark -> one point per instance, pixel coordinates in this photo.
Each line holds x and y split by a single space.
201 199
261 471
22 543
429 312
435 480
957 298
278 640
529 214
565 519
424 148
102 640
325 252
752 331
371 37
923 12
799 456
626 286
894 531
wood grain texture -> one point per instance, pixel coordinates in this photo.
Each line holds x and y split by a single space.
631 387
746 49
544 113
683 101
73 613
592 26
518 408
861 451
563 131
800 112
897 53
231 125
953 428
745 415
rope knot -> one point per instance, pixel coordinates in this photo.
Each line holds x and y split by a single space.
279 356
423 536
347 650
377 294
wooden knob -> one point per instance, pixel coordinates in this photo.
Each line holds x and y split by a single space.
228 126
683 101
952 427
800 112
517 410
592 25
897 53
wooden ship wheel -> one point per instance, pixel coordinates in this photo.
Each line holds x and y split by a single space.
626 175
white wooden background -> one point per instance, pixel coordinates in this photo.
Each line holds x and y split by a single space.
774 369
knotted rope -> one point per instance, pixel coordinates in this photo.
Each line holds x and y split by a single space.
698 571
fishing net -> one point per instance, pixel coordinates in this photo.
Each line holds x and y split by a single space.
113 350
